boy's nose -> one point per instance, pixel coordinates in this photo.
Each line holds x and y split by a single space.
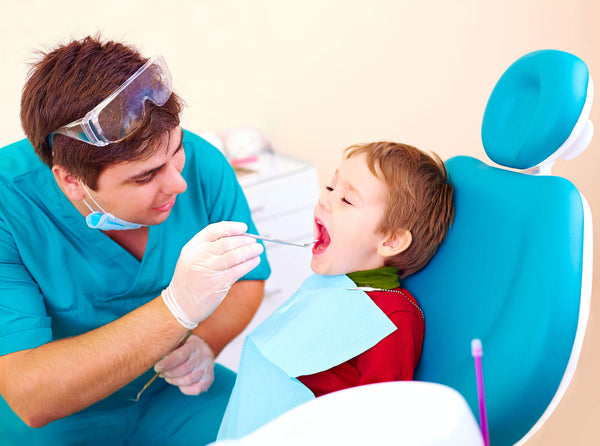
324 201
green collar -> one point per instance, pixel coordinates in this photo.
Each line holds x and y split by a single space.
385 278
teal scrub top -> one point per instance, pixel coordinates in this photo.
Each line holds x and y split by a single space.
60 278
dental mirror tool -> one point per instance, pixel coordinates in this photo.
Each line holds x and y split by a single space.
274 240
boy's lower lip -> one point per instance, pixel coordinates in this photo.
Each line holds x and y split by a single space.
166 207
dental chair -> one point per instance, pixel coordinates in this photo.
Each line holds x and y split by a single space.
516 268
515 271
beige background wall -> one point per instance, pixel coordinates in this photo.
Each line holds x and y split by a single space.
318 75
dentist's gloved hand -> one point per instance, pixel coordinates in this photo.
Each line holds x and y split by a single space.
190 367
213 260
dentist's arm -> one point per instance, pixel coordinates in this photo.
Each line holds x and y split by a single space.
62 377
65 376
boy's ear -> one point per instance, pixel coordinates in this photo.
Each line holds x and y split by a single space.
68 182
395 244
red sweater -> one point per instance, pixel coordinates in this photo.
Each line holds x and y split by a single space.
394 358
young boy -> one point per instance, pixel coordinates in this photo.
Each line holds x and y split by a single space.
384 215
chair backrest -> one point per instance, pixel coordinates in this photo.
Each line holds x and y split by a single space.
515 269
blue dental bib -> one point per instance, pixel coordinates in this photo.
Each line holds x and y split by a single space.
322 325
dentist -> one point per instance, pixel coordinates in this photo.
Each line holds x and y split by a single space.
120 233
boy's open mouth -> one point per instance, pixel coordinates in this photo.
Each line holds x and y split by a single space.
322 237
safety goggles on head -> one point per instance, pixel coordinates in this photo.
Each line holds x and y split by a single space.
121 113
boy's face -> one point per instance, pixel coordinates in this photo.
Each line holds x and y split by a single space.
346 216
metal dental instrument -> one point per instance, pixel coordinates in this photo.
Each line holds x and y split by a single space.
151 380
274 240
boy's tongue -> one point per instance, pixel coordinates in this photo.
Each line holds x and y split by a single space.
323 240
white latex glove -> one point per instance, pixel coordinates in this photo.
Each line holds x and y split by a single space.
190 367
213 260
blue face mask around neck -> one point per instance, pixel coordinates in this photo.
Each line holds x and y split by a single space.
105 221
108 222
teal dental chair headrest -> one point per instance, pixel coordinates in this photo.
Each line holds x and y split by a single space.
538 111
511 271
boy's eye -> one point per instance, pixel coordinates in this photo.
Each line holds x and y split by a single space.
344 199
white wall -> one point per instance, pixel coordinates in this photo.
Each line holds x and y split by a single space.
319 75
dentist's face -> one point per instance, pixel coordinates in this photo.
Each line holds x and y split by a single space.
346 216
144 191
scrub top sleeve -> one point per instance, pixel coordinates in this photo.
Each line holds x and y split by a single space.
24 322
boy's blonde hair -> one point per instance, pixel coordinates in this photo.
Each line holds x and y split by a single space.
419 199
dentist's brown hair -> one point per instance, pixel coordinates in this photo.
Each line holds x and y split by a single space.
69 81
